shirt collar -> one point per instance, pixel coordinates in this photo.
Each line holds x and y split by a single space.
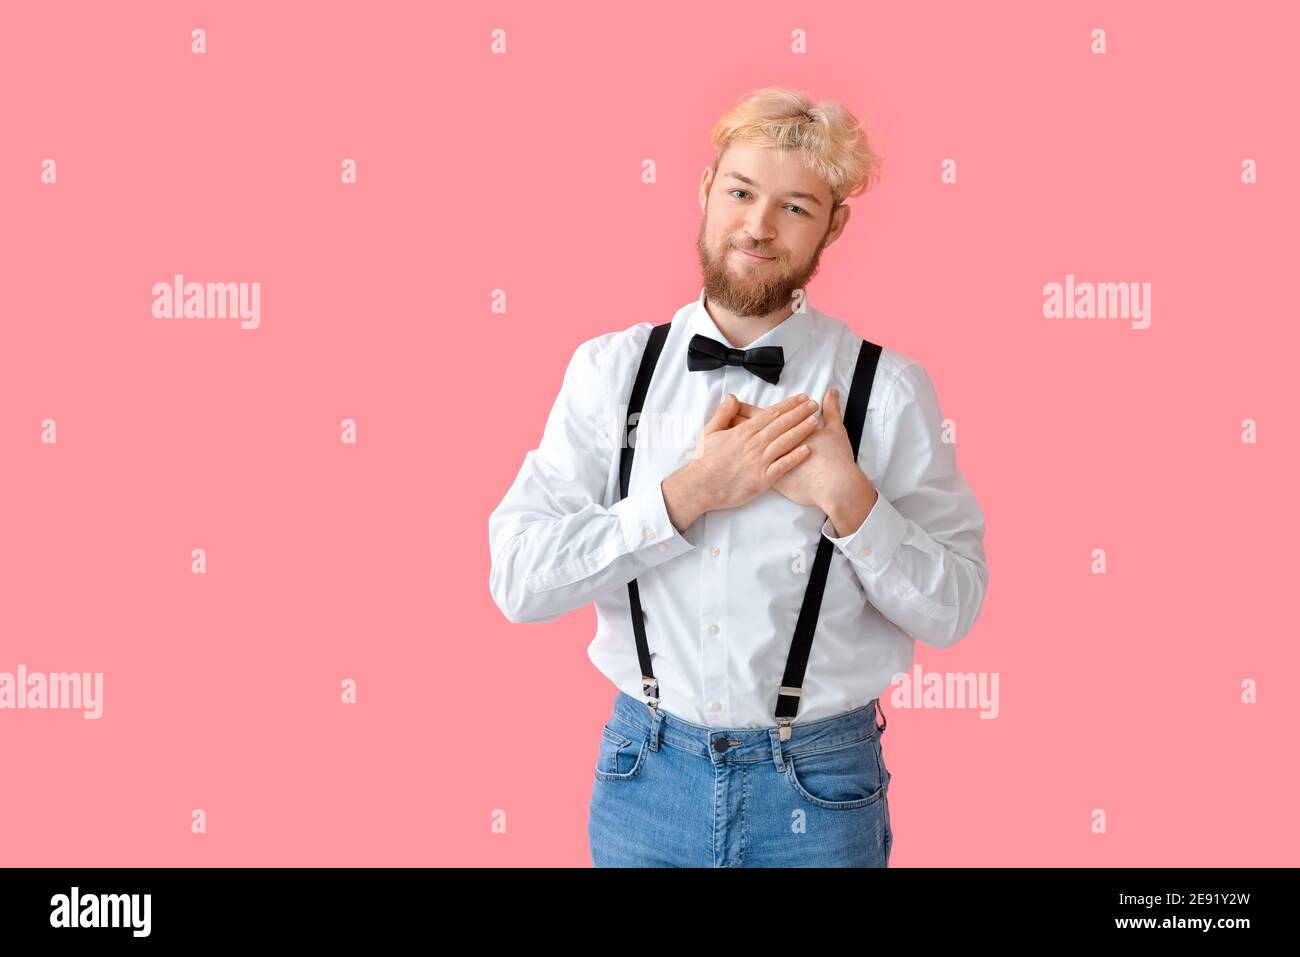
789 335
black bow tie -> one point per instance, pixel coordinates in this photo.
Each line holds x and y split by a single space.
705 353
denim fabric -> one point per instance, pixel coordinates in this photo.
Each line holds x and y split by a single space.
664 796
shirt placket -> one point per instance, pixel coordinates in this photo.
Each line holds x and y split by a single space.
715 623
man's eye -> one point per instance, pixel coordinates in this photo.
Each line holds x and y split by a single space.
800 209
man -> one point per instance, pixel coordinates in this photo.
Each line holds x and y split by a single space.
763 511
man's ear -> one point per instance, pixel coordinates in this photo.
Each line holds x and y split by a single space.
839 219
706 183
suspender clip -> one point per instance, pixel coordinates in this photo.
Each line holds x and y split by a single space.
788 692
650 688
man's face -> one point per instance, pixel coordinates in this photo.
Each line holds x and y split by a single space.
767 218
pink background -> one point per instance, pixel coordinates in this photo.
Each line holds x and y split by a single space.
522 172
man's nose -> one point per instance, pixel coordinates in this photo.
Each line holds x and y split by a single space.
758 225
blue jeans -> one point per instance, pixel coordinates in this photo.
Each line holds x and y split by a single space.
665 796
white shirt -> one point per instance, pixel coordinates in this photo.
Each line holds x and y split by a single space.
721 598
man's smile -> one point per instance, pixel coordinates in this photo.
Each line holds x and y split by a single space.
754 257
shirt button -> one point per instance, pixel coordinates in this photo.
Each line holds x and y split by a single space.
591 563
649 533
902 589
713 629
663 547
866 550
716 551
715 705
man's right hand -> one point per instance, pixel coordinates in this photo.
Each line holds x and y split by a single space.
734 464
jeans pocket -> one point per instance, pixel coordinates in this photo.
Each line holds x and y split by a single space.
845 777
620 756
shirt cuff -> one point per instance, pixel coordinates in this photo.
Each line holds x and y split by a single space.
648 532
876 541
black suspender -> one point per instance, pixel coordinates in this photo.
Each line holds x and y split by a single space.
655 345
855 413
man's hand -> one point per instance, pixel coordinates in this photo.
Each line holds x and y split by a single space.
829 478
734 462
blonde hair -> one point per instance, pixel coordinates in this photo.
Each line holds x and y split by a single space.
830 138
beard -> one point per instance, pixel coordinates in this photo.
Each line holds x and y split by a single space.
745 290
